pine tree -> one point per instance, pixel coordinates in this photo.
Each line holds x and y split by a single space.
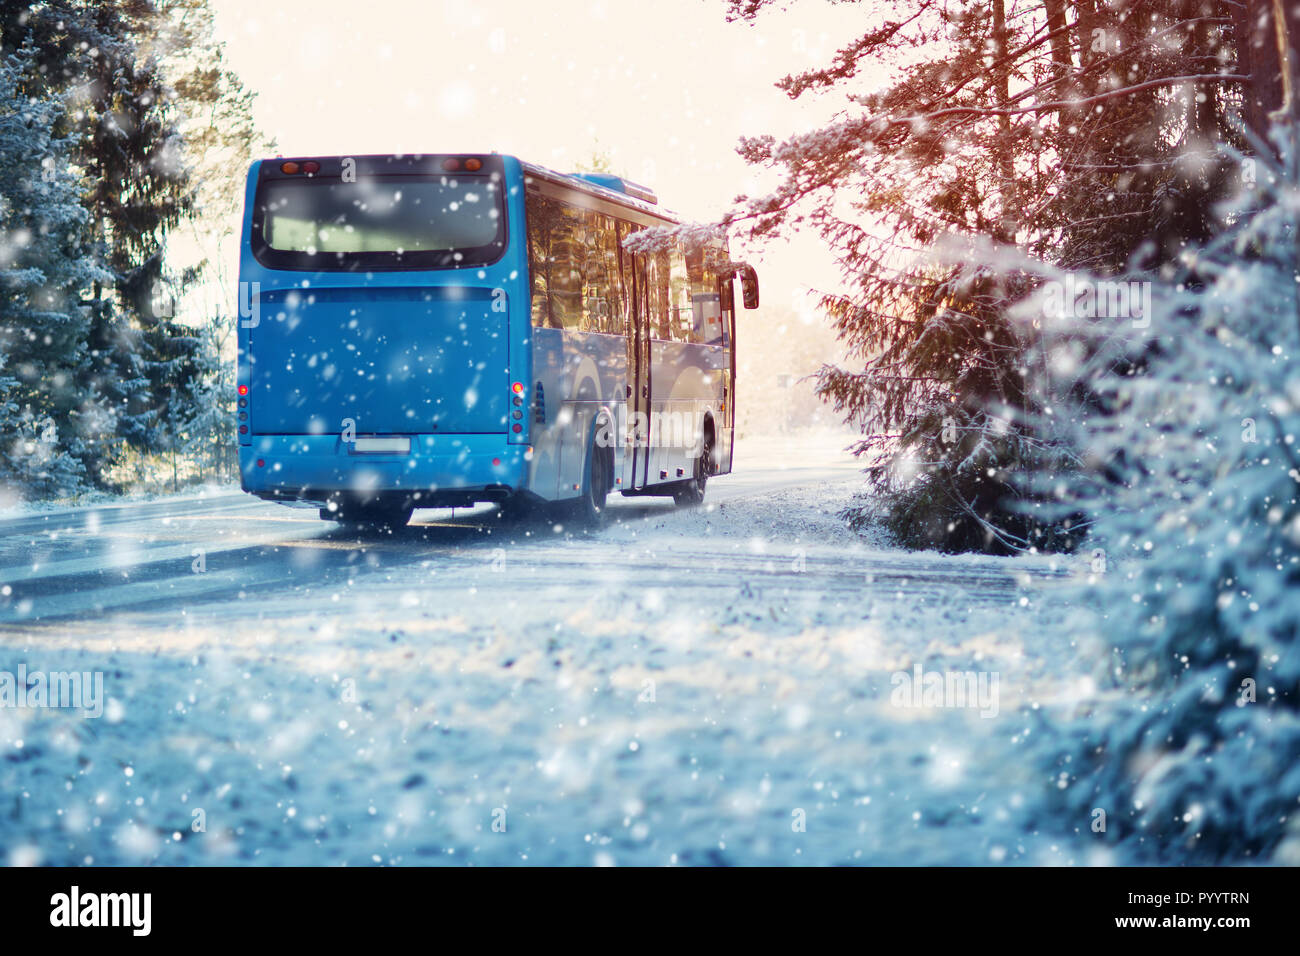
1193 477
1040 131
208 439
46 425
135 187
219 140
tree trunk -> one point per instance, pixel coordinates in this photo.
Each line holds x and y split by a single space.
1257 58
1203 115
1006 164
1266 39
1086 20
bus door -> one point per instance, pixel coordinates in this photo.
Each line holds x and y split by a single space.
638 374
727 428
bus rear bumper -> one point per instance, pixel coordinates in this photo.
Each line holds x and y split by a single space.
438 471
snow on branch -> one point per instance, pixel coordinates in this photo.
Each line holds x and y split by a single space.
923 119
666 238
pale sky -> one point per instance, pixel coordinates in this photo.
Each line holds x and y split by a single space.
665 88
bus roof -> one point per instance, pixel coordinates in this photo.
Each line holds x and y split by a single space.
581 183
614 189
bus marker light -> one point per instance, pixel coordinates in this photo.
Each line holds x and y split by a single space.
311 167
261 463
496 462
289 168
473 165
451 165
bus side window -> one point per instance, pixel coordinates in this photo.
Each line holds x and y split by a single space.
717 289
707 326
681 319
601 309
637 272
571 267
558 259
616 292
657 276
543 220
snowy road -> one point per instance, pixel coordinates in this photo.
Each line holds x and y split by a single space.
690 686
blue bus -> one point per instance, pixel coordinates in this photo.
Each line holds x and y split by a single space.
440 330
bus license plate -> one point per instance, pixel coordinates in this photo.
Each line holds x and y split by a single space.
382 446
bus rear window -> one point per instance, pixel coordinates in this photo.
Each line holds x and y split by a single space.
386 222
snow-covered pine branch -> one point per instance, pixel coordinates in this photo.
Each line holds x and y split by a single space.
1186 430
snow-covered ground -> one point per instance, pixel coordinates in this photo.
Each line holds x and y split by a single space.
717 685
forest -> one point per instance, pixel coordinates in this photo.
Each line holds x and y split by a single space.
123 137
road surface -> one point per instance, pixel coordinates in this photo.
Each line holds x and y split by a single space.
708 685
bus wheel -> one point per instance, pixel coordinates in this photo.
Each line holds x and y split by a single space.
692 492
595 486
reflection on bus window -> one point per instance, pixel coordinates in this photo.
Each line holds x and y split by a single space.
658 285
582 278
707 326
577 280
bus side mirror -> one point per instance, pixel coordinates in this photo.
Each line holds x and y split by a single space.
749 285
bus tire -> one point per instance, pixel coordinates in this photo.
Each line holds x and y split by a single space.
597 479
691 491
